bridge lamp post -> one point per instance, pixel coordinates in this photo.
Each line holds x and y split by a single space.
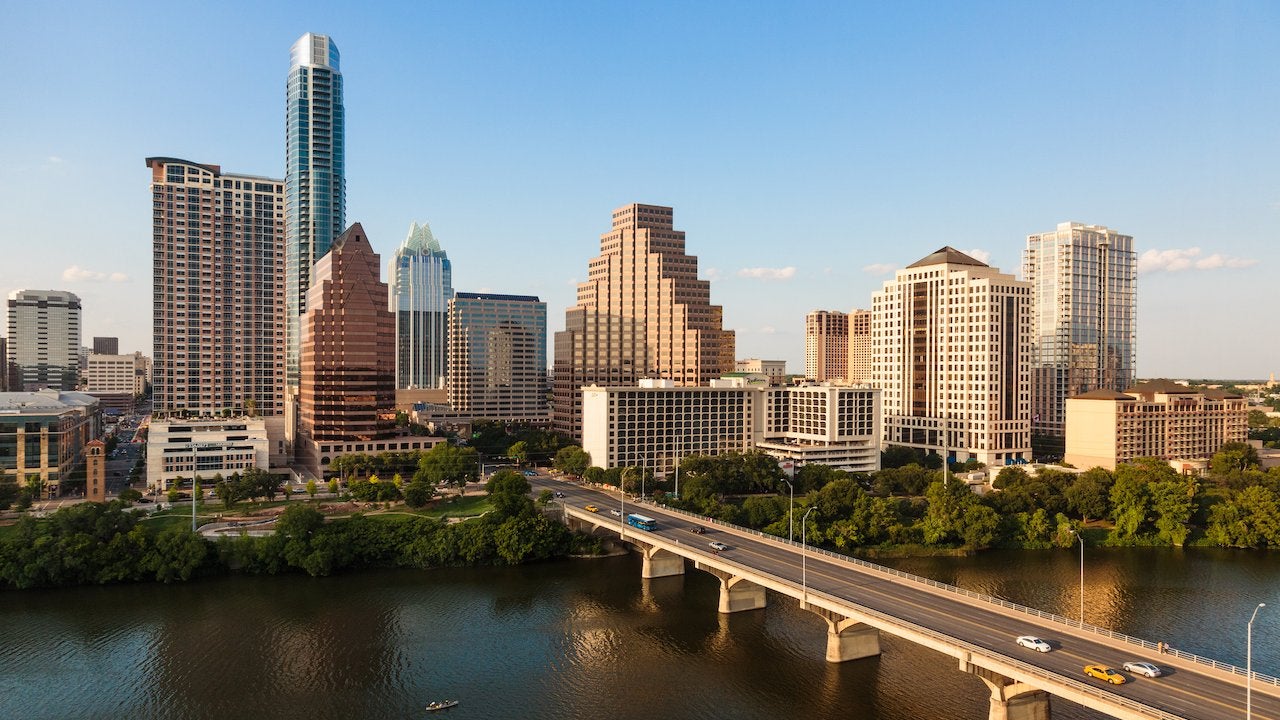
1248 669
1081 539
791 516
804 558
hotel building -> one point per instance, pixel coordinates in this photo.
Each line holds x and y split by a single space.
642 312
498 357
1083 280
774 370
1160 419
44 339
218 290
951 344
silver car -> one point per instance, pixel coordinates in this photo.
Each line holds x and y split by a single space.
1031 642
1143 668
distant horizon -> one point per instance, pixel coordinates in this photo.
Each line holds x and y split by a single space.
808 151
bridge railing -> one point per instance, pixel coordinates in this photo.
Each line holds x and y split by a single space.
991 599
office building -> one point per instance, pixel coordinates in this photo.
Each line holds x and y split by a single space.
1159 419
182 450
218 290
826 345
1083 280
421 282
860 354
43 435
115 380
106 346
642 312
44 339
774 370
656 423
315 181
498 357
951 341
4 364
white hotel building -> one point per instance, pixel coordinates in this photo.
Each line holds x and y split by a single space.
951 349
205 447
656 423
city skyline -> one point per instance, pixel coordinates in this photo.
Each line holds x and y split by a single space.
863 138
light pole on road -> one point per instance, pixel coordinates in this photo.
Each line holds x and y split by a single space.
1080 537
791 510
804 559
1248 666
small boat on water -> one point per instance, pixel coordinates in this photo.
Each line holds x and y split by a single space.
441 705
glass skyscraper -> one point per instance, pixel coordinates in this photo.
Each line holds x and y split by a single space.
421 281
1083 280
315 185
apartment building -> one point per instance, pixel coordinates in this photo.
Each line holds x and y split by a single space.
826 345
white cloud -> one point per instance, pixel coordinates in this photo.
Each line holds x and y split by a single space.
763 273
768 330
979 255
879 268
572 282
1178 260
713 273
54 160
75 273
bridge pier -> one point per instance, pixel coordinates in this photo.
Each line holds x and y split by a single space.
739 594
1010 699
847 638
660 563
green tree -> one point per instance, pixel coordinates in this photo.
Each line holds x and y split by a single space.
446 465
333 486
311 488
417 494
519 451
1232 459
1130 502
129 496
572 460
509 493
1089 496
35 485
1174 502
593 474
944 519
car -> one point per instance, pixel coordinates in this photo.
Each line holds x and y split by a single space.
717 545
591 508
530 473
559 494
697 530
613 511
1102 672
1031 642
1143 668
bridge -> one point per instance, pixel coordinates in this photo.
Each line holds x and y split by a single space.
859 600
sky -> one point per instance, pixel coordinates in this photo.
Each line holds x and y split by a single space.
808 149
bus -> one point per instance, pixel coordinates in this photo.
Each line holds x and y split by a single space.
642 522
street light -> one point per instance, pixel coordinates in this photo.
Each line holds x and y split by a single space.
1081 539
804 559
791 518
1248 667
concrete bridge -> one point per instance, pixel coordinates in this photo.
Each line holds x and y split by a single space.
859 600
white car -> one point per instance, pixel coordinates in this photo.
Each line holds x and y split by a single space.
616 513
717 545
1031 642
1143 668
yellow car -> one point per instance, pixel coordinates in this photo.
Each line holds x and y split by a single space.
591 508
1102 672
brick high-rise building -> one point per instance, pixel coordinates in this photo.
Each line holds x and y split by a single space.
860 355
826 345
348 368
642 313
218 290
1083 282
106 346
951 338
44 339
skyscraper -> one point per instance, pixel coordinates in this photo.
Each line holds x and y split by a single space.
951 337
498 357
1083 280
218 290
44 339
642 312
860 357
826 345
421 281
315 184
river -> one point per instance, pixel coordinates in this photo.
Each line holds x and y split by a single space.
572 639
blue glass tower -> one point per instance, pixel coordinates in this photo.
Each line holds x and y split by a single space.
421 286
315 184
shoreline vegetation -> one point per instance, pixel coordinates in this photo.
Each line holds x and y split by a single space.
910 508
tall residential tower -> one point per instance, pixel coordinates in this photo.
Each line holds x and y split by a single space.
315 185
826 345
642 313
1083 280
421 281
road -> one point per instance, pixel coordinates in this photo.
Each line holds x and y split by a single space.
1189 689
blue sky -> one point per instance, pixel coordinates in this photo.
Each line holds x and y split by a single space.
807 148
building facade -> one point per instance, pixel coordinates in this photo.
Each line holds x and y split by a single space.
642 312
774 370
498 357
826 345
315 175
116 374
655 424
218 290
860 350
206 447
106 346
951 344
1083 284
421 282
44 339
1159 419
43 435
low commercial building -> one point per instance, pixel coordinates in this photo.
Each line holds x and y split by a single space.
775 370
656 423
205 447
43 435
1160 419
